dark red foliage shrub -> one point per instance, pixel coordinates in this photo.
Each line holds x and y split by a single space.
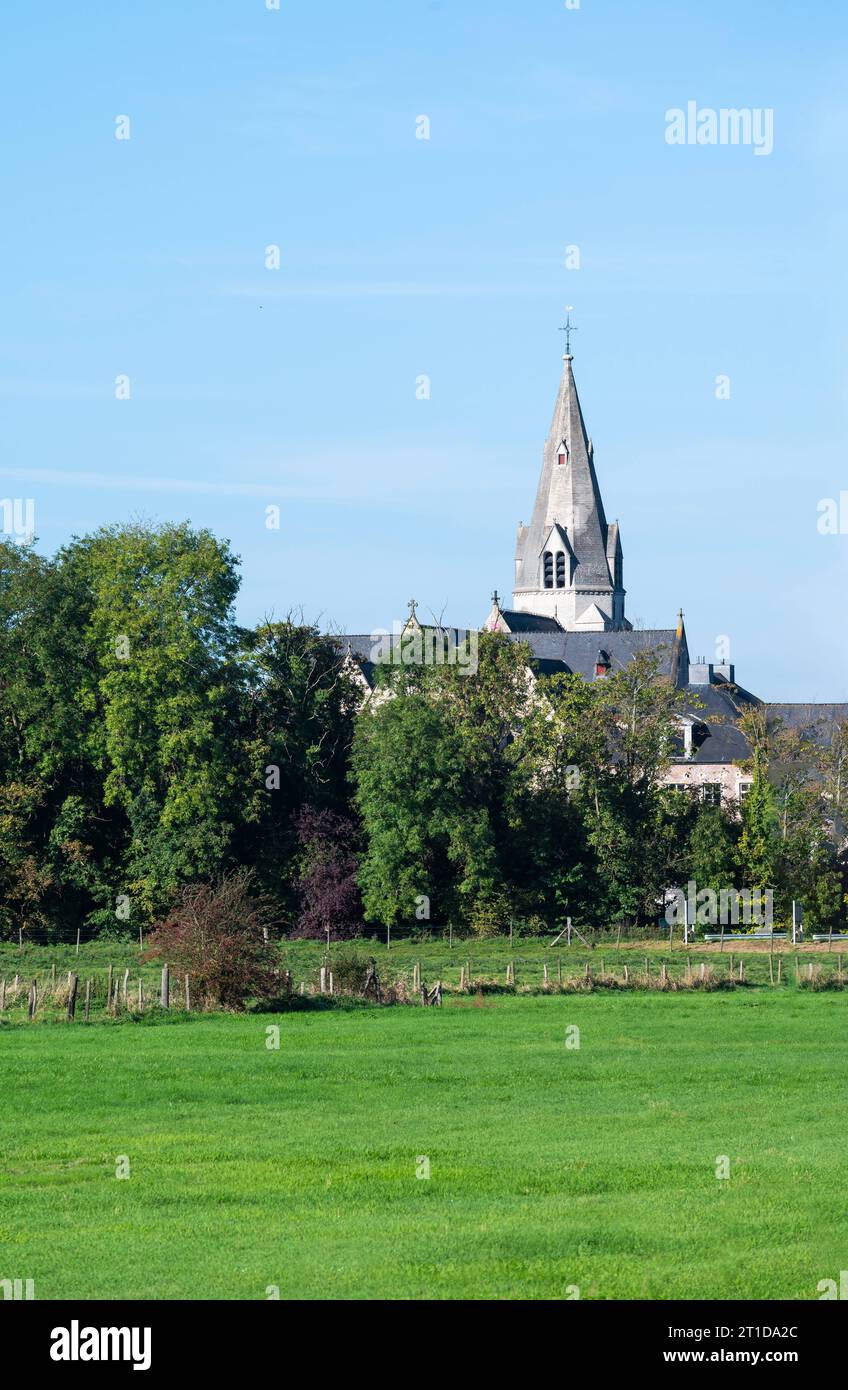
329 893
216 934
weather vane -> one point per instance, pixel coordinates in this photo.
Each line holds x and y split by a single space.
568 328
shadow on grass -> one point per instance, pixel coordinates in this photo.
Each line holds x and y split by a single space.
311 1004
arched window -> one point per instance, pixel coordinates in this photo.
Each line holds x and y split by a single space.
560 569
549 570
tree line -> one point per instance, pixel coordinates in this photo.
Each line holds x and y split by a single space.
148 743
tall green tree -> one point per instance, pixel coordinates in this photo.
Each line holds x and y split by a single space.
618 734
711 850
295 730
163 689
758 848
433 777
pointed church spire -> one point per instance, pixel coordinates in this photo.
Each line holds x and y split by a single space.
568 562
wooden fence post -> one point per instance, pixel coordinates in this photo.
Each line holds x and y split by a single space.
126 986
166 988
87 998
2 995
72 998
109 988
187 996
140 997
33 1000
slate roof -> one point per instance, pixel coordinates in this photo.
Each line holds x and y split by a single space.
578 651
554 650
529 622
807 716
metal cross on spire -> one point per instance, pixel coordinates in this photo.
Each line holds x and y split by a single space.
568 328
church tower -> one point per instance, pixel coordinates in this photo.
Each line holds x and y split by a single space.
568 561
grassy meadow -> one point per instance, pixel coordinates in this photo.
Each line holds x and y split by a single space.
550 1167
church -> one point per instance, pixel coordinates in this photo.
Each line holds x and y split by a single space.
568 607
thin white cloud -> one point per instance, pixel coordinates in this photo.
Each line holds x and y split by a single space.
135 483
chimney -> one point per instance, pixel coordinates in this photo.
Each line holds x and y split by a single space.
700 672
727 670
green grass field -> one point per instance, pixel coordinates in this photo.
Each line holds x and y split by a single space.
549 1167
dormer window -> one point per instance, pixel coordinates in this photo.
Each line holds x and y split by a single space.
562 453
602 663
548 570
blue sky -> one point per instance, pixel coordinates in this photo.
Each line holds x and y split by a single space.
401 257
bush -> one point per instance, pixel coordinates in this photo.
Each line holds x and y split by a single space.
489 918
216 934
349 965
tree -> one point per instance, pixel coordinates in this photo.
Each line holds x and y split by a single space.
45 672
217 935
757 853
613 739
162 687
432 771
297 709
711 862
331 905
